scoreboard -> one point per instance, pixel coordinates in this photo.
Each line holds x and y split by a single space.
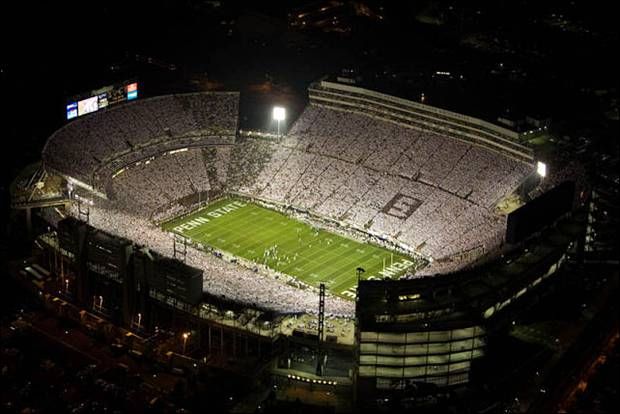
101 98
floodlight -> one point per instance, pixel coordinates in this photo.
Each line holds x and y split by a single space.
279 113
541 169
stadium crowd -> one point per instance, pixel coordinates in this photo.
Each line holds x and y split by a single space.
158 183
221 277
349 167
168 122
431 193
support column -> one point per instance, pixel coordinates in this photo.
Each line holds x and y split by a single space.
234 344
221 341
29 221
209 340
321 330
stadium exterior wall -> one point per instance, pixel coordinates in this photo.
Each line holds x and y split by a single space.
429 333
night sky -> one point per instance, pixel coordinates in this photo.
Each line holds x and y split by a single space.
555 59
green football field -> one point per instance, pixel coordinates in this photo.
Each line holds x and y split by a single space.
270 238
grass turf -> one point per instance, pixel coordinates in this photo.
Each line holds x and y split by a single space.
271 238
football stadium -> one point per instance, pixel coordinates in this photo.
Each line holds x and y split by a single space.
399 233
387 180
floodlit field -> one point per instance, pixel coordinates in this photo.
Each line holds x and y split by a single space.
270 238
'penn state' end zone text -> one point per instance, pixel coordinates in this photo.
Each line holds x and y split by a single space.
216 213
389 272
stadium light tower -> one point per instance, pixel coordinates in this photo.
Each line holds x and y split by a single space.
541 169
359 271
185 336
279 114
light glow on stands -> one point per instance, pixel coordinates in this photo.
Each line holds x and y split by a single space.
119 172
84 200
177 150
75 182
411 296
279 113
541 169
60 213
314 381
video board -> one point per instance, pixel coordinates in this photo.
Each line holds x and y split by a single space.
101 98
72 110
88 105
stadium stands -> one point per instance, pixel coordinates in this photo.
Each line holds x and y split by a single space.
159 182
349 167
138 130
430 192
222 278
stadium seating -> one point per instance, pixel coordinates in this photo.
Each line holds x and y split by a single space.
82 147
430 193
348 167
